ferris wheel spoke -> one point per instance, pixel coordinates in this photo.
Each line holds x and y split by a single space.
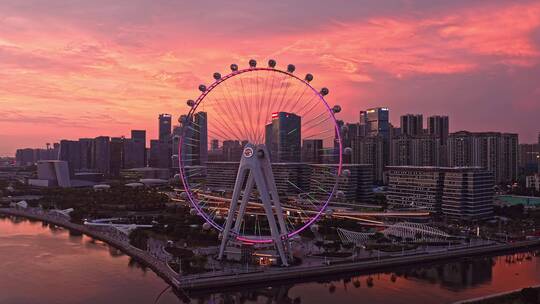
215 133
283 97
290 224
221 121
314 119
253 109
310 106
228 110
318 124
246 115
278 109
222 131
298 188
257 98
321 133
297 97
261 116
238 112
239 107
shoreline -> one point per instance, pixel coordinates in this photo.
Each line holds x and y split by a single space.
158 267
199 283
495 296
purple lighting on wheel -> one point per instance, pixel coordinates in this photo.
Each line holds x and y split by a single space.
235 72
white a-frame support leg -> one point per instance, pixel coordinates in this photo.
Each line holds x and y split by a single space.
256 165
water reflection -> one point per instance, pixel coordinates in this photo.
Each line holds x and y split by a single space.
435 283
48 264
42 263
456 275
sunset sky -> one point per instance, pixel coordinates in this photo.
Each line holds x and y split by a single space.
71 69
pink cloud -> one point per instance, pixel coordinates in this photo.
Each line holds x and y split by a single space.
59 60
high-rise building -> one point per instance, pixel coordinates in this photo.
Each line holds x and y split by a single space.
165 127
134 154
412 124
372 145
87 156
25 157
214 145
101 154
283 137
497 152
116 149
420 150
139 136
348 132
468 194
70 151
312 151
186 149
528 157
371 150
438 126
376 121
194 135
401 151
160 154
29 156
201 137
232 150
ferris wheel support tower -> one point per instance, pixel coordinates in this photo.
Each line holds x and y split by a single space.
255 164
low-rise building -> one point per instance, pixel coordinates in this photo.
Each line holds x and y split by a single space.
468 193
355 184
51 173
145 172
454 192
415 187
293 179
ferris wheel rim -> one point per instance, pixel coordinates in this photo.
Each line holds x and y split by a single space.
183 177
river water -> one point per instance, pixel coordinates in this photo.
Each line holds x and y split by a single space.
44 264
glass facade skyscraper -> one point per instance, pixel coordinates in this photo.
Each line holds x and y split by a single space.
165 127
283 137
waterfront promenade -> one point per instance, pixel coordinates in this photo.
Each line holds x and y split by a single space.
220 280
205 281
110 237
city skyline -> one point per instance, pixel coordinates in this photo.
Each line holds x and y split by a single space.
395 123
98 77
160 151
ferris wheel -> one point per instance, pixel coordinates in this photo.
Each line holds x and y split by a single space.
260 155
